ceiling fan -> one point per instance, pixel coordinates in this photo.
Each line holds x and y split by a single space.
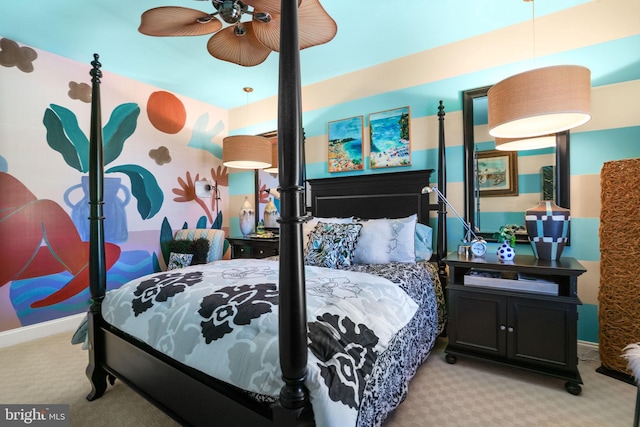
247 43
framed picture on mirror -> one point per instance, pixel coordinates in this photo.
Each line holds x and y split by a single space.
497 173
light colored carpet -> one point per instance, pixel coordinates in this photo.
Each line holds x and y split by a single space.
467 394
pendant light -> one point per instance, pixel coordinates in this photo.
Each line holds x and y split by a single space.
540 101
273 169
532 143
246 151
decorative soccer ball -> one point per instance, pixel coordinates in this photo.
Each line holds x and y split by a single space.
506 252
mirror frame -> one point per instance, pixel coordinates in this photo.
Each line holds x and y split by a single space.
562 171
306 194
269 135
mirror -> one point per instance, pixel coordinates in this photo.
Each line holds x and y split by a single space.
488 211
264 182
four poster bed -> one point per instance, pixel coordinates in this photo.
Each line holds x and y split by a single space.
342 348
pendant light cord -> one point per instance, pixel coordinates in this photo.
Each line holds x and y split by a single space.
533 29
247 90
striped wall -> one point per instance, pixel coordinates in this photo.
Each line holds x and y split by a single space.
601 35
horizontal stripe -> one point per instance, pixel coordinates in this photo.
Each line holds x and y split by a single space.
588 325
530 183
590 150
610 63
242 182
584 240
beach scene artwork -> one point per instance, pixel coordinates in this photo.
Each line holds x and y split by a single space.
497 173
390 142
345 144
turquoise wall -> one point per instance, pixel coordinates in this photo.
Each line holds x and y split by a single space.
611 63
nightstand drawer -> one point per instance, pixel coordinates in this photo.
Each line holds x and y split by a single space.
248 247
263 251
240 251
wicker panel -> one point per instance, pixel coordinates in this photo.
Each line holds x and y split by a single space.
619 295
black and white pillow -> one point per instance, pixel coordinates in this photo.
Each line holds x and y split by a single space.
177 260
332 245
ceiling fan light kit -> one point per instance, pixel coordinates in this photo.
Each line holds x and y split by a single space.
247 43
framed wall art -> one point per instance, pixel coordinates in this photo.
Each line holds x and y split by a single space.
390 138
497 173
345 145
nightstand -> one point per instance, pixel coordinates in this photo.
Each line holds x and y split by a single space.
521 313
253 247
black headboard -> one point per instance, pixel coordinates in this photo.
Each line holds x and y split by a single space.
388 195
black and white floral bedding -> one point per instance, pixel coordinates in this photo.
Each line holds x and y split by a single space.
367 334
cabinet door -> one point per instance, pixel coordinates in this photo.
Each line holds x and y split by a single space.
477 322
542 332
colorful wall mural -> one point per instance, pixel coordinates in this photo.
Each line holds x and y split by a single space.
156 146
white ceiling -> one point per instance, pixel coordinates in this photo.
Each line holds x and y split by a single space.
370 32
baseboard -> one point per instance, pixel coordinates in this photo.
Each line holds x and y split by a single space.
588 351
40 330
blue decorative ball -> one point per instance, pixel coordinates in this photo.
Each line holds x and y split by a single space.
506 252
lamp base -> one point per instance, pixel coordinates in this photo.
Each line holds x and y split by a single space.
547 226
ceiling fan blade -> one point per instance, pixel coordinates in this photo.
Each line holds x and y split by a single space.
269 6
315 25
243 50
177 21
268 32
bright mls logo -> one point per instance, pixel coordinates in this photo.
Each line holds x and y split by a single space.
34 415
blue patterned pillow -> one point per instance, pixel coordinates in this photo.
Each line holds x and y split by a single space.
423 241
332 245
179 261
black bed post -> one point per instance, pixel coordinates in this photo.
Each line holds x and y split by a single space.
97 263
292 307
442 186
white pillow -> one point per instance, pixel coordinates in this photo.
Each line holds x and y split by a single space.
372 247
310 225
386 240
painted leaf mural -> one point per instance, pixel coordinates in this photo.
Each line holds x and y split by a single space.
166 235
65 136
202 137
121 126
202 222
218 222
144 187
